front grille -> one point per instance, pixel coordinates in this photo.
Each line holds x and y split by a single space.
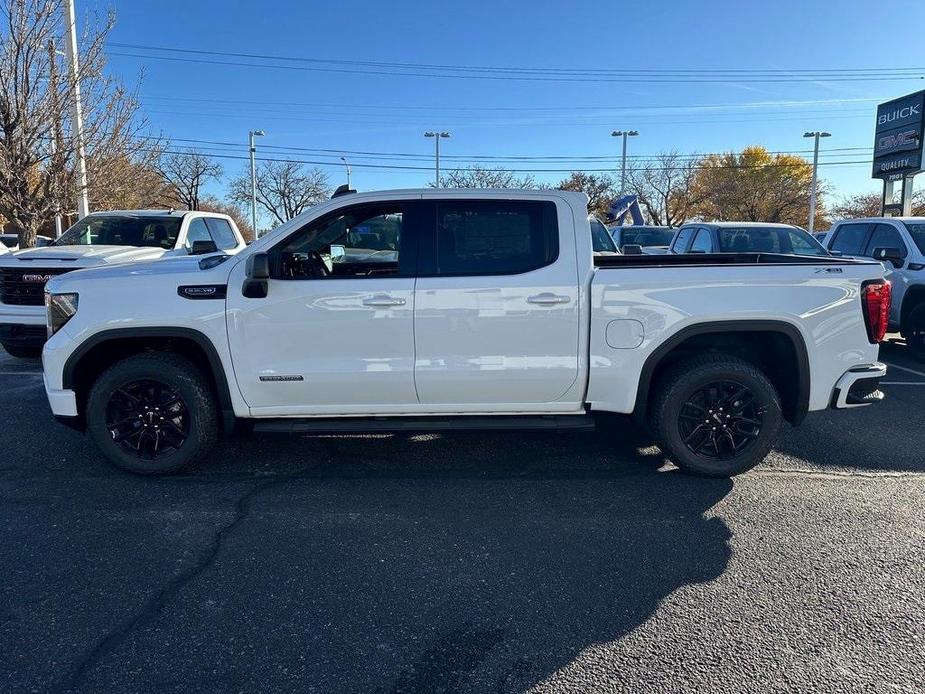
26 287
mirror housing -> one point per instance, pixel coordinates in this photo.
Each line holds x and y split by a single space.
632 249
257 272
203 247
889 255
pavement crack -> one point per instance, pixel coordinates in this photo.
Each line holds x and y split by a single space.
835 474
153 606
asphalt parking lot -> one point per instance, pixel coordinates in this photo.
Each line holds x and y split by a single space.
501 562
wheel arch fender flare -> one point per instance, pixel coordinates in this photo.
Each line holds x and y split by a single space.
214 361
800 405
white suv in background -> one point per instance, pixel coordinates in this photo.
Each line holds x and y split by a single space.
898 242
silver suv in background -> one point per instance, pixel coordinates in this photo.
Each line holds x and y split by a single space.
899 243
745 237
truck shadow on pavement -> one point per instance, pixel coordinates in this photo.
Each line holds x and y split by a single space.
458 563
349 564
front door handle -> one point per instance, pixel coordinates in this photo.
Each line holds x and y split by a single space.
383 300
548 299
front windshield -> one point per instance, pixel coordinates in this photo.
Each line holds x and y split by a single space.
646 237
601 241
917 232
123 230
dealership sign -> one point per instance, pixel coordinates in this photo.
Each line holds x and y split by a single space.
898 137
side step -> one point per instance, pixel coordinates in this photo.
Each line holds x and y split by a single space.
421 425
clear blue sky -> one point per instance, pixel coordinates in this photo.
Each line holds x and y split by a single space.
345 110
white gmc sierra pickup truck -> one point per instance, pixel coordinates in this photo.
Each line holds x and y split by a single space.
101 238
433 309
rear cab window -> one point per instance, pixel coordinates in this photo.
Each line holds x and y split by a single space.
750 240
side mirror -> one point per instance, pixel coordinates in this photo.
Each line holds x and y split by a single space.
202 247
632 249
889 255
257 272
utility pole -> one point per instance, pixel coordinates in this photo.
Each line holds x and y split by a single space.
253 151
624 134
816 134
77 122
437 135
57 144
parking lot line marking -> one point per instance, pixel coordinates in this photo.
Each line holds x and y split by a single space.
906 368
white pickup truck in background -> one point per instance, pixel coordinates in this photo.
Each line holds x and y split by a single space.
437 309
102 238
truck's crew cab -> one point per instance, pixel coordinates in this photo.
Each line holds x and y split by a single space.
434 309
900 243
101 238
744 237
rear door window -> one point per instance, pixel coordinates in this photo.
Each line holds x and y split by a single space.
849 238
495 237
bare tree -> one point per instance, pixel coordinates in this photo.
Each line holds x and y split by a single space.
868 205
284 188
599 188
37 152
480 177
185 173
664 187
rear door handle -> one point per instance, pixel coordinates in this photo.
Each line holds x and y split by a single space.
383 300
548 299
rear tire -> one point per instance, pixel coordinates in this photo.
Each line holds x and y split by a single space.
23 352
152 413
715 415
914 332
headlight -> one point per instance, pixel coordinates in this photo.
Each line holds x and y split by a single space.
59 309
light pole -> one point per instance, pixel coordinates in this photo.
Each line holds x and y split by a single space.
347 166
816 134
624 134
77 122
436 134
253 151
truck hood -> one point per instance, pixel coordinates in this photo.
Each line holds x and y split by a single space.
88 256
198 269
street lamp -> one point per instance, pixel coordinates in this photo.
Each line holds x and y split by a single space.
624 134
347 166
436 134
77 123
253 151
816 134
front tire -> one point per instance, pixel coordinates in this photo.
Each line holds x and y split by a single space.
23 352
152 413
914 332
716 415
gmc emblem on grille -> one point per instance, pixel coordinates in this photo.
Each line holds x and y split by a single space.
36 278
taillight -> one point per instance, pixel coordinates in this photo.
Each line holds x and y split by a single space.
875 300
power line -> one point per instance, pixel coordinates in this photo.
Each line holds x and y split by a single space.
734 72
537 77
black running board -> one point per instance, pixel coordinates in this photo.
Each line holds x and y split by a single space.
420 425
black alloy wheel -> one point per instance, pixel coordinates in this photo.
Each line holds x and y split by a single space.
720 420
148 419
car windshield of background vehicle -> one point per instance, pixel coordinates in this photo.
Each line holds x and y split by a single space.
155 232
917 232
9 240
600 238
647 237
